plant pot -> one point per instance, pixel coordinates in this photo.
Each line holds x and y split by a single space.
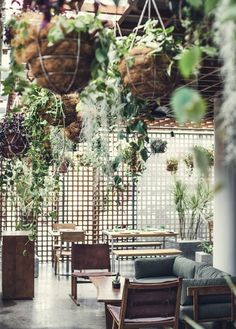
201 256
68 113
188 247
173 167
13 139
62 67
146 74
73 131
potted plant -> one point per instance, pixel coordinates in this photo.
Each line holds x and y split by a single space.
146 66
188 160
13 136
60 54
193 206
158 146
172 165
206 253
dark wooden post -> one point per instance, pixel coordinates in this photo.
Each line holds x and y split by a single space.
17 266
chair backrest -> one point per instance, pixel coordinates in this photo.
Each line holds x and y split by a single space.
90 257
71 236
143 300
59 226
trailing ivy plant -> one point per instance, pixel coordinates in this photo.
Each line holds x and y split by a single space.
197 18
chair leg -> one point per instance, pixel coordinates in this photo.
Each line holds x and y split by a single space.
55 265
114 325
73 295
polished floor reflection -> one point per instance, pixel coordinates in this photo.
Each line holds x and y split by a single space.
52 307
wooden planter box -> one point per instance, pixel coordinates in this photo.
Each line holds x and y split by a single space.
201 256
17 268
188 247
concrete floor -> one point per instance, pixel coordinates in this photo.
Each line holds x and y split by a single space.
52 307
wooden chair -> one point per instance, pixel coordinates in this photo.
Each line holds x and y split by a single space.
61 253
88 260
148 305
56 242
200 292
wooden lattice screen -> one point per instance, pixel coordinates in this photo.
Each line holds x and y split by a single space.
87 200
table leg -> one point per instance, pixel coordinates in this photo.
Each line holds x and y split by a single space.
112 256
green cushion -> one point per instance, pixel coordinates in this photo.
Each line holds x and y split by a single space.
145 268
184 267
205 312
206 271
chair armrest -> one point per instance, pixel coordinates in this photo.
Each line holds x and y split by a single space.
216 291
208 290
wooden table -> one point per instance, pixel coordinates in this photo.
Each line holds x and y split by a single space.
113 235
107 294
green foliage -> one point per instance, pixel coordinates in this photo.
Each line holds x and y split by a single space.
16 81
204 159
193 205
189 61
152 37
180 199
210 5
29 180
158 146
188 105
188 160
195 3
207 247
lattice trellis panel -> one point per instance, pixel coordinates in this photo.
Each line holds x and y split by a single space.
87 199
155 201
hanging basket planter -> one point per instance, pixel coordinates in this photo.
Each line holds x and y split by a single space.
13 138
66 110
62 65
73 131
146 74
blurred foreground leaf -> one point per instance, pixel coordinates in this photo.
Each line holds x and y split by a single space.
188 105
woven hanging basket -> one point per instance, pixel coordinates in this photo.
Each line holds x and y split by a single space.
66 115
63 67
146 74
14 145
73 131
13 139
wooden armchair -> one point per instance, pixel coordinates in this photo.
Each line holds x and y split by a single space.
67 237
148 305
88 260
218 291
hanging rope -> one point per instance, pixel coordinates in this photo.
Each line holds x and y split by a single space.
148 6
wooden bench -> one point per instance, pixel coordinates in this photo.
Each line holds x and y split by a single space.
137 244
144 252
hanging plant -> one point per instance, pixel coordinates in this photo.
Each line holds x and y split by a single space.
172 165
158 146
73 131
146 67
55 109
188 160
13 136
60 54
